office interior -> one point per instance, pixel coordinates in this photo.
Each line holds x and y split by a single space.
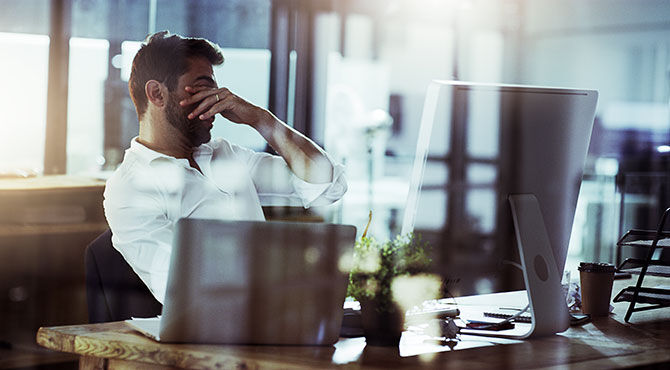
350 74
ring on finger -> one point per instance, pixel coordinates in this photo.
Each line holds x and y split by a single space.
217 97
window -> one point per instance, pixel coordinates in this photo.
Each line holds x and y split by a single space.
101 116
386 52
23 70
24 46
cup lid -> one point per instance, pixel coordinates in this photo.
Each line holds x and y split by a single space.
595 267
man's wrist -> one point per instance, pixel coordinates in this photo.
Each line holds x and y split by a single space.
266 122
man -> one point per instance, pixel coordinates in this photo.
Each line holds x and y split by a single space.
174 169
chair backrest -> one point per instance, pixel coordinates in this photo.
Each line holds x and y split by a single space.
113 291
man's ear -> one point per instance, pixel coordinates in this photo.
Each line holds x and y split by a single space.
156 93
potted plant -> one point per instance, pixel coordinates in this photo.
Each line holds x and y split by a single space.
387 278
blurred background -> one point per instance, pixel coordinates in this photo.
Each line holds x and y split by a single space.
352 75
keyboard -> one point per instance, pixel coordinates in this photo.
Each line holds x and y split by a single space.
497 315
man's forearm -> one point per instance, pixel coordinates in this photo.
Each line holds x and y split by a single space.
306 159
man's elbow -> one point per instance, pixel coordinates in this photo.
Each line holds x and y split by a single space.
319 171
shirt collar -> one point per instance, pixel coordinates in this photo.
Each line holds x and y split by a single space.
150 155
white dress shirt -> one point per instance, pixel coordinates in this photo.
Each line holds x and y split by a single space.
150 191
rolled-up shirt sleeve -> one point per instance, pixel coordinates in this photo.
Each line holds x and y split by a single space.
321 194
274 179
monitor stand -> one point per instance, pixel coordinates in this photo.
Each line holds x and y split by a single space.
548 310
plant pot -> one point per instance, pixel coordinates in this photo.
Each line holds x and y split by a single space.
382 327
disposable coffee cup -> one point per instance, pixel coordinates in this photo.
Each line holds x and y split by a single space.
596 281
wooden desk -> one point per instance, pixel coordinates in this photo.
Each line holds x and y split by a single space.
45 224
605 343
48 205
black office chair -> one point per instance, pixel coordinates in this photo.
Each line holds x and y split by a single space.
113 291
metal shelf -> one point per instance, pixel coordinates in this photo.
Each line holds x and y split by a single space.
655 267
646 295
651 240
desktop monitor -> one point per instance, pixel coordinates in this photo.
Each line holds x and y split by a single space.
480 143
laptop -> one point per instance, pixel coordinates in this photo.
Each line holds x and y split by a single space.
255 282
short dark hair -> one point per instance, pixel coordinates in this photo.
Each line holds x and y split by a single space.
164 57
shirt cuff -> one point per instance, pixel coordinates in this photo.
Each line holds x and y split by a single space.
321 194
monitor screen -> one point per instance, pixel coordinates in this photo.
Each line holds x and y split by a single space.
479 143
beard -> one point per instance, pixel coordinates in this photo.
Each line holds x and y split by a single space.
196 131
